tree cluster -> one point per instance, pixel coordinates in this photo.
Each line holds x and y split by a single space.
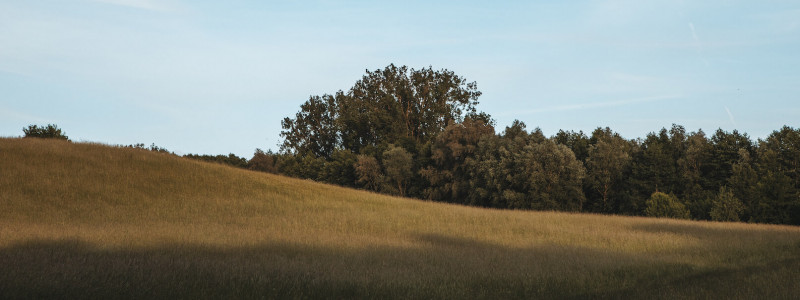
417 133
50 131
230 159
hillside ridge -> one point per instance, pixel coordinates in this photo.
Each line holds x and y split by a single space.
86 220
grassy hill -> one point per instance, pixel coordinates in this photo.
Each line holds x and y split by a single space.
84 220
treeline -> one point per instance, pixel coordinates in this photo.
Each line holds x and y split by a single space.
51 131
230 159
417 133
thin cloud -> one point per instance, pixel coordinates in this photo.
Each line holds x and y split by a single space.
8 114
140 4
585 106
694 32
697 43
730 115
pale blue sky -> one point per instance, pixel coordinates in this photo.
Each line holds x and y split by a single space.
215 77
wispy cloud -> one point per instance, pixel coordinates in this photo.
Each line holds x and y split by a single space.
730 115
697 43
140 4
12 115
694 32
585 106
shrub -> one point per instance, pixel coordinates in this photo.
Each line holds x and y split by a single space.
230 159
51 131
661 205
263 161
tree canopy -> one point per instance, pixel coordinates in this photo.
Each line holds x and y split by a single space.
396 103
418 133
50 131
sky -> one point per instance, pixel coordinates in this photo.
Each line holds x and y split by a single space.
217 77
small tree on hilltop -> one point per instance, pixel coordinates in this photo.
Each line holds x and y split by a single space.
661 205
51 131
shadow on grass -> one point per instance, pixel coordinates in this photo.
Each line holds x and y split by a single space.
443 267
711 232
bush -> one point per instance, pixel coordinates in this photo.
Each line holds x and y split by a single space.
230 159
51 131
661 205
263 161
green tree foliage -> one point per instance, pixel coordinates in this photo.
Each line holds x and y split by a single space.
578 142
263 161
661 205
726 207
744 184
305 166
400 102
382 108
417 133
153 147
398 165
313 131
339 169
779 170
694 167
608 159
555 177
368 172
50 131
655 166
230 159
725 153
452 155
526 171
497 174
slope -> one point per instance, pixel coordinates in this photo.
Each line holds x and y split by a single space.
86 220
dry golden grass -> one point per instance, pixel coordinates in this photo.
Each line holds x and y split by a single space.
92 221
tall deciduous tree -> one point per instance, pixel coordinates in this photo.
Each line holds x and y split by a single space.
555 177
398 102
452 155
607 160
314 129
385 106
499 176
398 165
369 172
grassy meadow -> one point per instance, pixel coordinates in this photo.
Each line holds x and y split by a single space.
81 220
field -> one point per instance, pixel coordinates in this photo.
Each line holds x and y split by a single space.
80 220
